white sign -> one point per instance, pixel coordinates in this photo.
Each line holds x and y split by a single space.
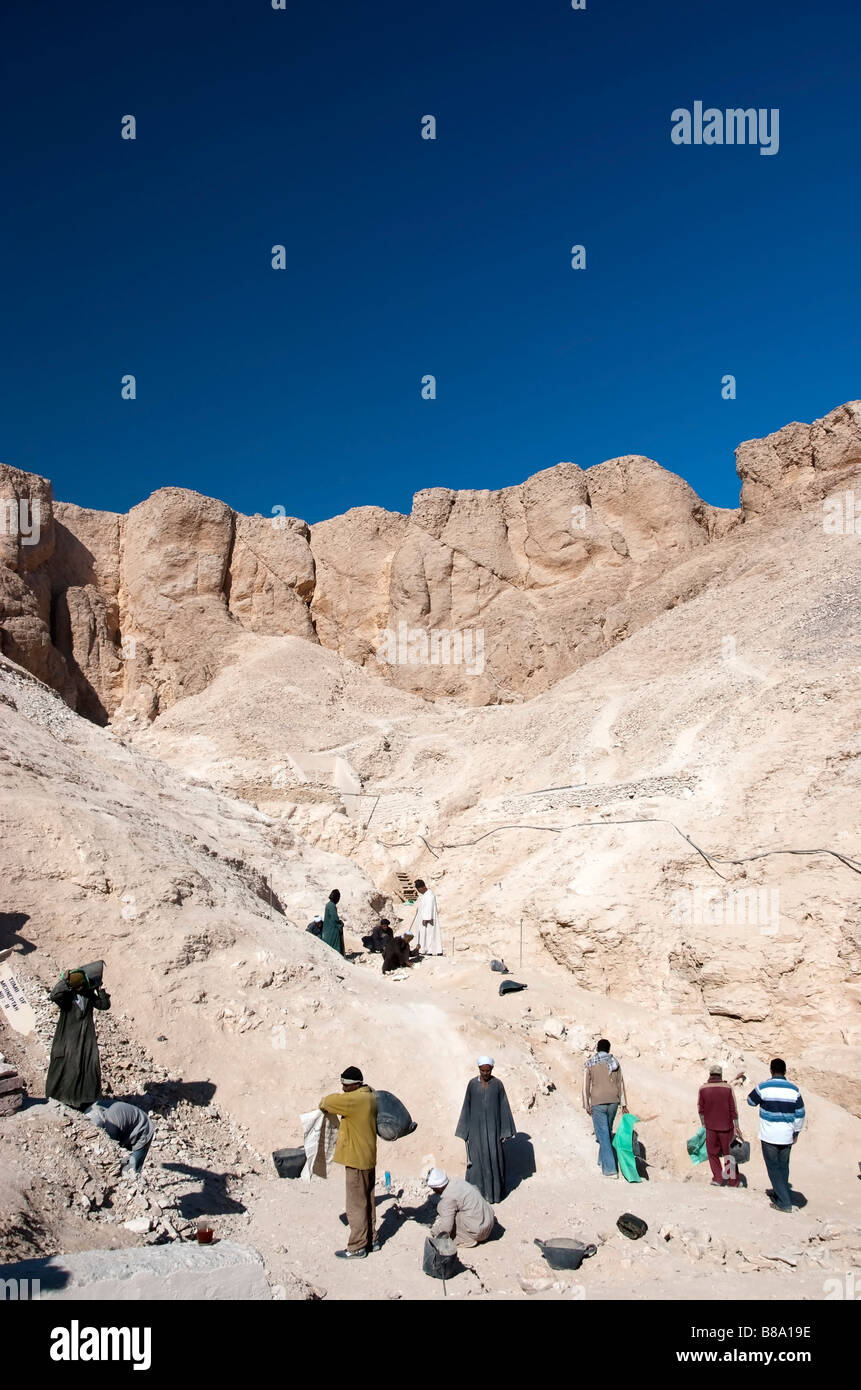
18 1012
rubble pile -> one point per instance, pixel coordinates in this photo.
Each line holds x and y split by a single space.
199 1162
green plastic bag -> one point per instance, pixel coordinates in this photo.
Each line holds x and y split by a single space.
623 1144
696 1146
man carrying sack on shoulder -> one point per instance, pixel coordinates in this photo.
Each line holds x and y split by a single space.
356 1149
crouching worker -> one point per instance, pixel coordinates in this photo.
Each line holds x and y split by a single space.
129 1127
463 1214
356 1149
379 937
397 953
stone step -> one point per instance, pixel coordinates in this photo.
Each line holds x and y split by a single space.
184 1271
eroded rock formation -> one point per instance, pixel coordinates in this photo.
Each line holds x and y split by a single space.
483 596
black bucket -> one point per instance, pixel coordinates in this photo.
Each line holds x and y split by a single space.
739 1149
500 966
510 987
439 1259
563 1253
632 1226
289 1162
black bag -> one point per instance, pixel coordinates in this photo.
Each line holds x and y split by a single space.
93 973
739 1150
500 966
563 1253
289 1162
510 987
393 1118
439 1259
631 1226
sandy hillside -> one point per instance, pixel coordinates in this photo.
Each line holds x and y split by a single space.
656 833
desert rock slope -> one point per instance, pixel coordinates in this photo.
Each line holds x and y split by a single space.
643 796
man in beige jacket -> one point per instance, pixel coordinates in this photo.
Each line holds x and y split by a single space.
463 1214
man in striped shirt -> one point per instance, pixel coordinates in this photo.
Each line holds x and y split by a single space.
781 1120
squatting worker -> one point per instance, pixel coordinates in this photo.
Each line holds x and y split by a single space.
356 1149
397 953
463 1214
128 1126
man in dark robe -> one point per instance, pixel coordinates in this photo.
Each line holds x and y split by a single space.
397 953
74 1072
333 927
485 1121
379 937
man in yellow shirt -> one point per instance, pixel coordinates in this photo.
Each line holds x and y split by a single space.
356 1149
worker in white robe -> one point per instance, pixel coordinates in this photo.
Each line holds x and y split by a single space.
425 924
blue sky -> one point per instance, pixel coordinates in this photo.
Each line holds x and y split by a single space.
302 388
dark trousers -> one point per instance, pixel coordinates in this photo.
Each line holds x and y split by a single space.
777 1165
717 1144
361 1211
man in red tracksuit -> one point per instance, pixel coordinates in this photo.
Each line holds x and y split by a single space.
718 1113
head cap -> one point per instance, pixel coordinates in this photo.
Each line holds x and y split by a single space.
352 1076
437 1178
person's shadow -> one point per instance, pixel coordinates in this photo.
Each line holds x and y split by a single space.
519 1161
395 1216
163 1096
11 924
213 1199
640 1157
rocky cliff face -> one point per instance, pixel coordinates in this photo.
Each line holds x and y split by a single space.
482 596
800 463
